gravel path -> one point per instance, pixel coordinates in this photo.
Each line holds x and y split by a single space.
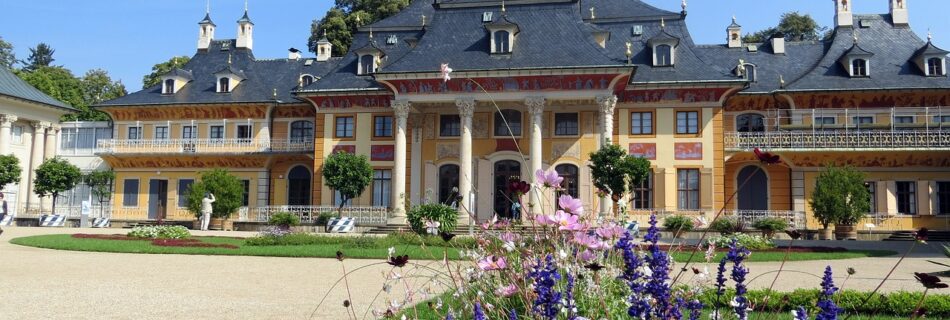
51 284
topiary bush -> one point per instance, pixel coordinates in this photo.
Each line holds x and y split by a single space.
445 215
284 220
159 232
769 226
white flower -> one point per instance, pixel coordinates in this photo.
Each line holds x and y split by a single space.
446 72
715 315
388 288
562 254
392 251
509 246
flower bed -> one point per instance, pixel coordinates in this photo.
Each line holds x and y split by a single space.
160 232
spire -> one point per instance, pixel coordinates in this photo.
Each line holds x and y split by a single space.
683 5
662 22
245 18
592 13
503 7
930 35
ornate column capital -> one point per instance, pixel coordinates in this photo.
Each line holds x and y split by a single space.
535 104
54 128
7 119
401 108
40 126
466 106
607 103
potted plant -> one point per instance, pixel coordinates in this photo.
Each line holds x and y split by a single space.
678 225
840 197
284 220
769 226
726 226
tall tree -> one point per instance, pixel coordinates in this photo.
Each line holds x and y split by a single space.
40 56
55 176
795 26
57 82
96 87
7 57
161 69
341 21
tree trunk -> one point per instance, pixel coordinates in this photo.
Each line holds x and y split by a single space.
55 194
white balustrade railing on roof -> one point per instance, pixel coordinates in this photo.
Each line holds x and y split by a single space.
203 145
364 215
839 139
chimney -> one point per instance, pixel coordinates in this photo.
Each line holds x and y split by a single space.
778 43
899 14
294 54
843 15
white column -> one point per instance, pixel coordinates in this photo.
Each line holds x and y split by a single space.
536 109
416 190
50 147
401 110
607 105
6 137
36 158
466 174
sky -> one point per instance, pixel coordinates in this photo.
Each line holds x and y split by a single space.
127 37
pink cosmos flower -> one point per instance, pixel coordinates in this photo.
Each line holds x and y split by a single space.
589 241
446 72
610 231
491 263
549 179
507 291
544 220
588 256
432 227
571 205
567 221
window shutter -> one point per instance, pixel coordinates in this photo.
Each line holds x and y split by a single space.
706 188
891 198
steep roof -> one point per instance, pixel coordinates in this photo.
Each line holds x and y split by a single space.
409 17
13 86
343 77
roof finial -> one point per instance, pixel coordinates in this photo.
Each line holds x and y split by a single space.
930 35
629 52
854 34
245 5
370 33
502 6
324 32
423 20
781 81
229 58
733 18
592 13
358 21
208 7
275 94
684 5
662 22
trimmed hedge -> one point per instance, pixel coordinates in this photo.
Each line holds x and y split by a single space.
900 303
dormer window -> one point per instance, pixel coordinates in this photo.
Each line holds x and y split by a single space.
370 58
175 80
935 67
228 79
502 44
168 87
931 60
664 48
749 73
502 33
857 61
306 80
224 85
663 55
859 68
367 64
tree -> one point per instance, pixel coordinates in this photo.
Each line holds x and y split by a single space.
227 189
96 86
54 176
341 21
795 26
100 183
40 56
840 196
614 172
57 82
7 57
158 70
348 174
9 170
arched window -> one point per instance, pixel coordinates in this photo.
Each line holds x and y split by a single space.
298 186
306 80
750 73
502 44
169 86
367 64
448 182
754 194
750 122
570 184
935 67
513 117
301 131
859 68
664 55
224 85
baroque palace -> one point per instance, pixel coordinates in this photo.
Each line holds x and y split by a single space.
567 76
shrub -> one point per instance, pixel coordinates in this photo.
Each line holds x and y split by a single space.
770 225
678 223
445 215
284 220
227 189
840 196
324 217
751 242
726 226
160 232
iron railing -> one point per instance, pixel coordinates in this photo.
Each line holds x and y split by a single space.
796 219
839 139
190 146
364 215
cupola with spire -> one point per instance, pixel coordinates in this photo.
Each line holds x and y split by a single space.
324 48
245 32
205 30
734 34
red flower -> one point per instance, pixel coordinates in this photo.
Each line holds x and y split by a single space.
766 157
398 261
921 235
518 187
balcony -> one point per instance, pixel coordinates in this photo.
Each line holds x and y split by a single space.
203 146
840 140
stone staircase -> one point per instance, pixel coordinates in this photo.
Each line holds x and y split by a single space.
933 236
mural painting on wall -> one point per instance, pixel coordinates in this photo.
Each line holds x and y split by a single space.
672 95
184 113
382 152
883 160
189 162
752 102
688 151
348 148
369 101
502 84
644 150
294 111
872 100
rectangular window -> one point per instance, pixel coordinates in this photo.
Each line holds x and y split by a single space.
344 127
246 194
907 197
450 125
135 133
161 133
824 120
872 189
904 119
862 120
687 187
189 132
641 123
941 119
382 187
184 185
18 134
216 132
943 198
565 124
643 194
383 126
130 193
687 122
244 133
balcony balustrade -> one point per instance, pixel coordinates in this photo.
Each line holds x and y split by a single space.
938 139
203 146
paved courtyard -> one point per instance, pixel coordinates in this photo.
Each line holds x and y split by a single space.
50 284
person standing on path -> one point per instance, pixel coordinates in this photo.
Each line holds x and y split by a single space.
206 210
3 210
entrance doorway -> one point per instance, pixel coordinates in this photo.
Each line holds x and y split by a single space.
157 199
505 171
754 195
298 186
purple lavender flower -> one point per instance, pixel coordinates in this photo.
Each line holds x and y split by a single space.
720 282
639 305
545 277
678 305
695 309
479 314
828 310
659 263
569 298
737 254
800 313
513 315
449 317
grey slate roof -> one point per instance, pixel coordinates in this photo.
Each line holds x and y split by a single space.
770 68
245 18
261 78
409 17
622 10
13 86
207 19
343 77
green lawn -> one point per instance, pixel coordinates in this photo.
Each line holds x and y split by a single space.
353 247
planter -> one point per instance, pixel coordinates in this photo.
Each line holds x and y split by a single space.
216 224
768 234
678 233
846 232
824 234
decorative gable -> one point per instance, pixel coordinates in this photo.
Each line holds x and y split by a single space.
175 80
931 60
228 79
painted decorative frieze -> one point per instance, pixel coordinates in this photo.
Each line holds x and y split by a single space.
447 150
688 151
